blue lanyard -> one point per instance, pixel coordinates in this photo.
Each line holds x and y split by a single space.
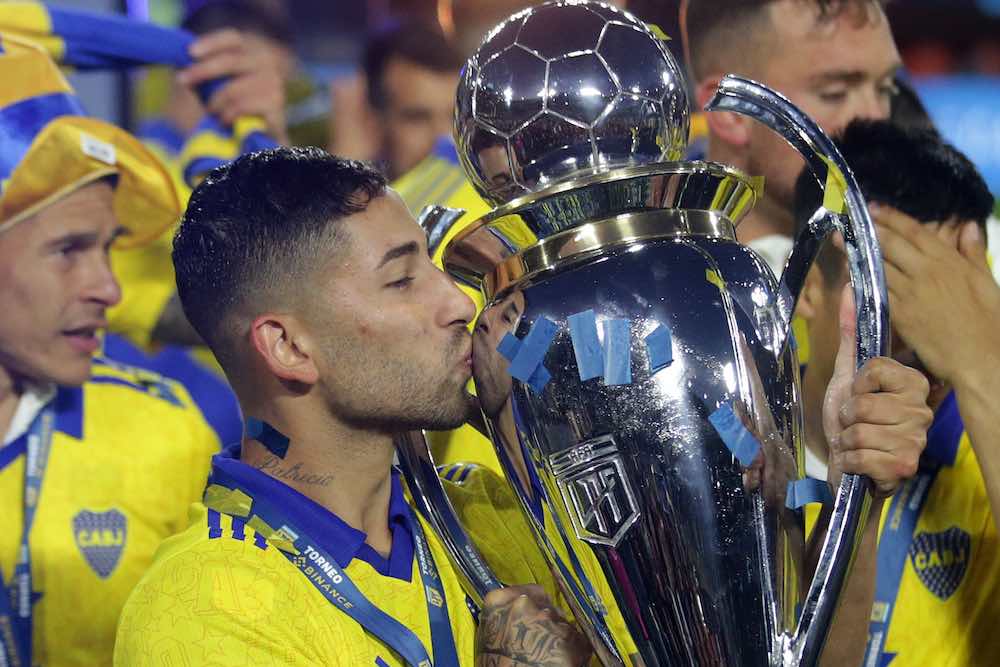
15 611
897 534
333 582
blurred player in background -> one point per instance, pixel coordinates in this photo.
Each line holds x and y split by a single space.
938 566
834 59
98 462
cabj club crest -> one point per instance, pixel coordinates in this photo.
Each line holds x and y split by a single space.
941 559
101 538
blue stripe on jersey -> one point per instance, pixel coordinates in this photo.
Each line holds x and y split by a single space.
238 529
260 542
465 473
10 452
214 525
379 662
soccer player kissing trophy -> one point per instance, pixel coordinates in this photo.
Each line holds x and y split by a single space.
634 362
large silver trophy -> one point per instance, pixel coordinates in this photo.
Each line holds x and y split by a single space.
633 362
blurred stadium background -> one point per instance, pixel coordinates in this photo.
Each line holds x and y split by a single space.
951 49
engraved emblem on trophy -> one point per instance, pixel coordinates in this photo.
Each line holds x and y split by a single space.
634 362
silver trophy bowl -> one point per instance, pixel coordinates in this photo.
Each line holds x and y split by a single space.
668 525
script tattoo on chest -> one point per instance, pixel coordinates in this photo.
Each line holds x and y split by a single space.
272 465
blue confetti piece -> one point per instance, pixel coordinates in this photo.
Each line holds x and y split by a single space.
539 379
659 345
617 353
735 435
586 345
533 349
509 346
804 491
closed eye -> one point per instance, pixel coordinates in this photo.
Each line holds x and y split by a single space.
402 283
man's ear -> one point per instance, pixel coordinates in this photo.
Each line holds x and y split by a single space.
284 348
728 127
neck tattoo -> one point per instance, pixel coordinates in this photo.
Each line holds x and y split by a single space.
272 465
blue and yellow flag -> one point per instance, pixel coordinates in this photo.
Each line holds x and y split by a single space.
93 41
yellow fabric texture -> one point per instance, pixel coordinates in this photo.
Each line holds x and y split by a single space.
959 630
494 520
58 161
226 602
144 453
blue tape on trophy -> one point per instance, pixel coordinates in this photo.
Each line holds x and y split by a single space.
659 345
586 345
617 353
533 348
509 348
275 441
737 438
801 492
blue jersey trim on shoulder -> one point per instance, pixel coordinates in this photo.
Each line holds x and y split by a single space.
9 453
945 433
69 411
209 392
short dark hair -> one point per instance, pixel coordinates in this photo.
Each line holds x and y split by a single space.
414 41
911 169
267 18
255 227
711 28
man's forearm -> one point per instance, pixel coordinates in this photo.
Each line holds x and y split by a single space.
977 393
849 630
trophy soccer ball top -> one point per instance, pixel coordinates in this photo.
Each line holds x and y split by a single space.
566 88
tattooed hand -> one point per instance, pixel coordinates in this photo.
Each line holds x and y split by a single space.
519 627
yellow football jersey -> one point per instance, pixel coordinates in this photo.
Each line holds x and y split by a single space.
492 516
224 593
948 598
939 576
129 454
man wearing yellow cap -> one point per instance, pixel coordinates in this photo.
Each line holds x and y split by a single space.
98 462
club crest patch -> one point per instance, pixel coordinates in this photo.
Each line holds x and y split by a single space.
941 559
100 537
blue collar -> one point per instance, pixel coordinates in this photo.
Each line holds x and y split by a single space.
945 433
340 540
69 411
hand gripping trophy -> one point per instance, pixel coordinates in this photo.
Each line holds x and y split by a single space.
634 363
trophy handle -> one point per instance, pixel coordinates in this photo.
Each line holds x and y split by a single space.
418 467
843 208
432 502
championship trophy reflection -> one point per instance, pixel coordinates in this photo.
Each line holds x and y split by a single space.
633 361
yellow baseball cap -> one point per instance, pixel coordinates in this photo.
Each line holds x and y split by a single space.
49 148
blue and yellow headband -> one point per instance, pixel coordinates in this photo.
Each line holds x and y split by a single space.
49 148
